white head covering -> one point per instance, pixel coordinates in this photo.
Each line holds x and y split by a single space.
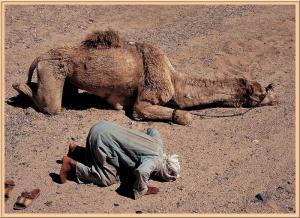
171 168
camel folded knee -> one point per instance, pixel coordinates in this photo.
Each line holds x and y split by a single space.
146 110
24 89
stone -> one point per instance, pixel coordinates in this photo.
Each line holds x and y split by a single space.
260 197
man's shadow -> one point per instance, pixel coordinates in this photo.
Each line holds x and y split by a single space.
79 154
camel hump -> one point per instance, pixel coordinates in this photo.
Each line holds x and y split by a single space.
157 87
103 39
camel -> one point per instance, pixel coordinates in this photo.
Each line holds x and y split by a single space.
133 74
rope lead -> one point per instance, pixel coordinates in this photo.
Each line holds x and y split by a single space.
268 89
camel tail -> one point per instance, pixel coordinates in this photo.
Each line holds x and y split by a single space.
31 69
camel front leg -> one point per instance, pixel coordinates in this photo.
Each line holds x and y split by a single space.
146 110
50 87
46 102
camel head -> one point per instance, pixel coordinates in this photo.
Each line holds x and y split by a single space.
257 95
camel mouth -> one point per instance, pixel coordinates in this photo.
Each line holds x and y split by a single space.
270 98
264 97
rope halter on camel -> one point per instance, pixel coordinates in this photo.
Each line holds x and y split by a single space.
269 88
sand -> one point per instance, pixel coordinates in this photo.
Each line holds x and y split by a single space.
226 162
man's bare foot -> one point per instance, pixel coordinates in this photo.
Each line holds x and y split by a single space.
152 190
72 147
66 167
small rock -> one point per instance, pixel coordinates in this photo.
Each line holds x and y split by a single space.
279 188
139 211
180 187
260 197
116 204
26 112
131 122
255 141
179 204
48 203
91 21
74 138
290 209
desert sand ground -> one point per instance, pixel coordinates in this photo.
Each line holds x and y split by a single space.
225 162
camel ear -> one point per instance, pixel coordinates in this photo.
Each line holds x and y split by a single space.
269 88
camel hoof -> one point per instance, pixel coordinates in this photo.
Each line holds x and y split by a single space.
60 110
136 116
16 86
118 106
183 117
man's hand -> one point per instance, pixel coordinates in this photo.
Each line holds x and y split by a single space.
152 190
72 146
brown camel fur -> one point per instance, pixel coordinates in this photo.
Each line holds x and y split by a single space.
132 74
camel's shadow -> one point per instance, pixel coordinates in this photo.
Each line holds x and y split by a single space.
74 100
79 101
83 101
20 101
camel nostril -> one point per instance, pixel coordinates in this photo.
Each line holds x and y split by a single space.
269 100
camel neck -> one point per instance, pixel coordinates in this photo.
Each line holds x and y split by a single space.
192 90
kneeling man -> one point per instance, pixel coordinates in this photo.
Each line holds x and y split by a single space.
111 149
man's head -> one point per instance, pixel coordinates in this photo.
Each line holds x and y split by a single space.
171 168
